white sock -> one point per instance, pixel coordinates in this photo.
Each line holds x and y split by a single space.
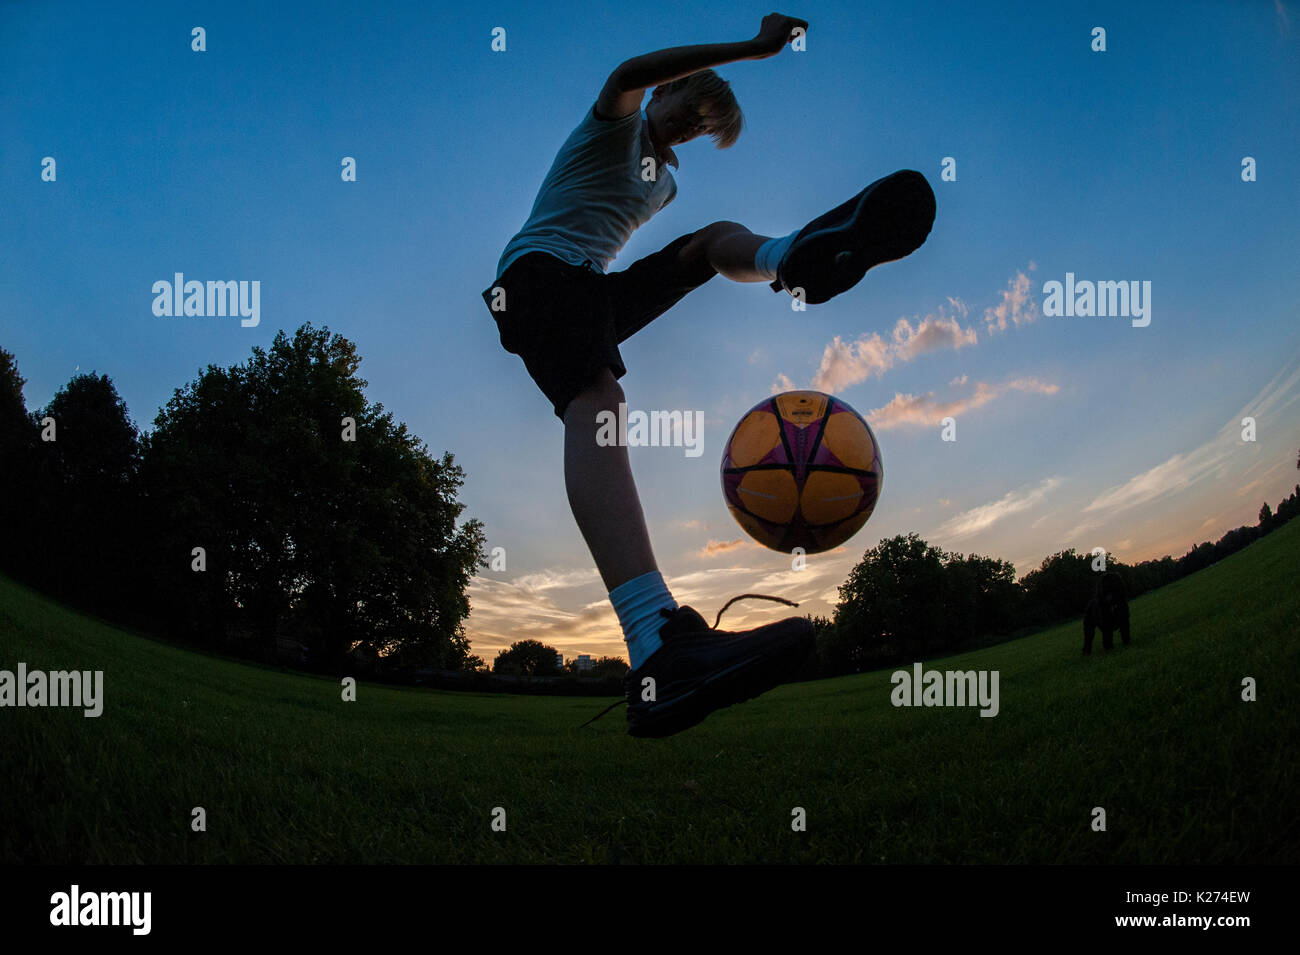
771 252
637 603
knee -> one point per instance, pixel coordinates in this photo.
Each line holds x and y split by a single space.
716 230
697 248
602 393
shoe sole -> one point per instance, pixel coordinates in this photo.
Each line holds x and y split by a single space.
888 220
739 682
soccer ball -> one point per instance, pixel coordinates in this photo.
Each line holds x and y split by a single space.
801 469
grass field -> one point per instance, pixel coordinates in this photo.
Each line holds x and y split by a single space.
1156 733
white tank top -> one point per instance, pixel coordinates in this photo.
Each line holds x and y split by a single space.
595 195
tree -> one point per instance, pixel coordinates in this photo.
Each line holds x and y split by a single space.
1059 588
1151 574
1265 516
528 658
608 668
890 603
17 450
1289 506
83 492
342 535
980 597
836 652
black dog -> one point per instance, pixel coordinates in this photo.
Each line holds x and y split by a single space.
1107 610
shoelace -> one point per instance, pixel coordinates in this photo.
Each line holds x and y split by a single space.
668 613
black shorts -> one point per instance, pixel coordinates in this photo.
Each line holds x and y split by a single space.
566 321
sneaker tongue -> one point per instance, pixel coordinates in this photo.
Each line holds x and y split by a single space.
683 621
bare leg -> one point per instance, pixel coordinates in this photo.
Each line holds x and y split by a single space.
729 247
601 491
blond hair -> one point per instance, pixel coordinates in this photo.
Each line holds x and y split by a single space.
710 96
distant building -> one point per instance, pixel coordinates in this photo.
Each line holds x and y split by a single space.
585 662
559 660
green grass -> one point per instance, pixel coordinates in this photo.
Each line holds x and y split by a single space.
1156 733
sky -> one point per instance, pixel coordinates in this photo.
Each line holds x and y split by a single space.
1117 165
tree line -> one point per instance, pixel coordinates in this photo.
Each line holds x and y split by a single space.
906 600
271 504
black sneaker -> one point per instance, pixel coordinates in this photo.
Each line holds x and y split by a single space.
700 669
887 220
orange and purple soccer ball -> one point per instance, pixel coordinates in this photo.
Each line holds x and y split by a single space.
801 469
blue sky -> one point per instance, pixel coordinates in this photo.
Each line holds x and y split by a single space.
1083 432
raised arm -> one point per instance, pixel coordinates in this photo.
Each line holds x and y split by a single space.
626 86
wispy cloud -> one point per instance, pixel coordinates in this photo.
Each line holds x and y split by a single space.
1248 489
554 580
1017 306
708 590
971 522
504 611
1171 476
714 548
1180 471
926 410
783 383
848 363
1075 534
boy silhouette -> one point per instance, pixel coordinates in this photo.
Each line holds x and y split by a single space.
557 308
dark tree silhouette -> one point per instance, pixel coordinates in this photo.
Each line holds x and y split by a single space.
1052 591
906 599
85 548
608 668
527 658
341 537
980 597
17 448
889 601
